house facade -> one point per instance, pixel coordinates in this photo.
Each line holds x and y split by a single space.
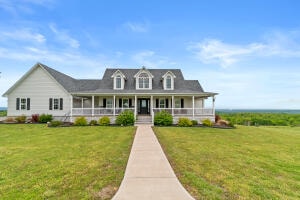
143 91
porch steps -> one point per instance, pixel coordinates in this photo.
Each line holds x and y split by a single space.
143 119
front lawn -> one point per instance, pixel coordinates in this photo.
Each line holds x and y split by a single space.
37 162
242 163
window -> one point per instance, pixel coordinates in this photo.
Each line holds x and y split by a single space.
56 104
143 81
125 103
109 103
177 103
23 104
162 103
169 82
118 82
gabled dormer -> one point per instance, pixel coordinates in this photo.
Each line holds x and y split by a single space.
119 80
143 79
168 80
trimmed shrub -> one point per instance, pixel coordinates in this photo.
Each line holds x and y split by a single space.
207 122
80 121
194 122
21 119
44 118
55 124
125 118
104 121
10 120
163 118
183 121
35 118
93 122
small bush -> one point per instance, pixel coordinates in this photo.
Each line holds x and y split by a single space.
10 120
93 122
125 118
184 122
35 118
44 118
163 118
55 123
194 122
80 121
21 119
207 122
104 121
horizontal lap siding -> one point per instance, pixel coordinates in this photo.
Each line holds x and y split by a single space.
39 87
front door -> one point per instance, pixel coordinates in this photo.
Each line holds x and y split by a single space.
144 106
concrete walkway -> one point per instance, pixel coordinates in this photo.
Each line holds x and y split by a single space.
148 173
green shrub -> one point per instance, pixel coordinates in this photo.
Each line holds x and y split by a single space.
207 122
125 118
3 113
21 119
80 121
104 121
93 122
55 123
44 118
163 118
194 122
183 121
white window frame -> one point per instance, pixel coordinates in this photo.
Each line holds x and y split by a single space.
109 103
177 103
162 103
143 81
125 103
169 78
23 105
118 82
55 104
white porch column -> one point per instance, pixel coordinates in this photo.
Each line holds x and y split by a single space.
172 105
93 105
193 107
82 106
114 105
71 109
135 106
213 104
151 110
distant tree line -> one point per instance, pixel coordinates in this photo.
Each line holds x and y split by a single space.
262 119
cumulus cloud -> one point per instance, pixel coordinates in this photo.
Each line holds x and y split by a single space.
150 59
226 54
64 37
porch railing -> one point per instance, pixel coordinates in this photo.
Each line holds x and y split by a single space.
110 111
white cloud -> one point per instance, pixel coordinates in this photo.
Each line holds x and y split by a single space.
149 59
137 27
23 35
15 6
63 36
225 54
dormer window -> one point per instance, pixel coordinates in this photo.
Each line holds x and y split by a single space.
143 79
168 80
119 80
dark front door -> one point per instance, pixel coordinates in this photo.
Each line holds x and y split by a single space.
144 106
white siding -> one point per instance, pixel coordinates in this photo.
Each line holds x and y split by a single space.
39 87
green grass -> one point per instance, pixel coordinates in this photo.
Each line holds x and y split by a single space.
37 162
242 163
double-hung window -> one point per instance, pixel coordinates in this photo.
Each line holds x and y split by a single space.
143 81
55 103
23 104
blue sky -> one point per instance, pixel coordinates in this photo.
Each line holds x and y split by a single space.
247 51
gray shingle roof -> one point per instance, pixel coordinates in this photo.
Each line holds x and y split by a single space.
181 86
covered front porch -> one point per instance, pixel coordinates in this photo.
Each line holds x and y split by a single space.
190 106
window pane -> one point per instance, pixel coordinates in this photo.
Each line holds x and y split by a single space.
140 82
146 83
55 104
125 103
162 103
109 103
169 85
118 82
23 104
177 103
